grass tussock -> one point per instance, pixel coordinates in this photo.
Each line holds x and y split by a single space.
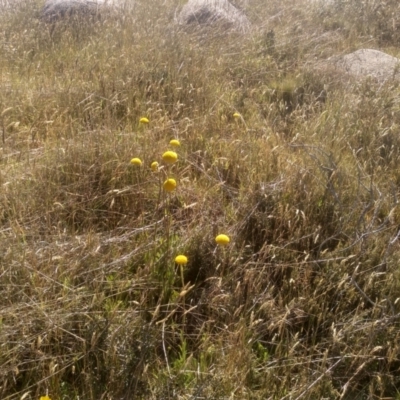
296 166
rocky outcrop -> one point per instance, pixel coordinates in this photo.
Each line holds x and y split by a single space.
217 13
369 63
54 10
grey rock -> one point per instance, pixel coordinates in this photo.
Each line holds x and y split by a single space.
220 13
369 63
16 5
54 10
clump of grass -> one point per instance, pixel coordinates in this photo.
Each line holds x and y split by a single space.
197 217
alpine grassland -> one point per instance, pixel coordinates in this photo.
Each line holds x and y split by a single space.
199 212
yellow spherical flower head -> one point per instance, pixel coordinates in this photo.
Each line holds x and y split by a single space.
236 115
144 120
181 259
154 166
222 240
175 142
136 161
170 157
170 185
45 398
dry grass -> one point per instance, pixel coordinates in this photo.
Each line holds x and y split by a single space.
302 304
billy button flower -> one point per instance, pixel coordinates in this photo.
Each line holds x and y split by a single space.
236 115
222 240
136 161
181 260
154 166
45 397
169 185
144 120
170 157
175 142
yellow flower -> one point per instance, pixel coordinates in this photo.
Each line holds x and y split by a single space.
170 185
144 120
236 115
136 161
45 397
175 142
222 240
181 260
154 166
170 157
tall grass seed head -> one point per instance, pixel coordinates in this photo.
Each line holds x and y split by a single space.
181 260
136 161
222 240
170 157
175 142
144 120
170 185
